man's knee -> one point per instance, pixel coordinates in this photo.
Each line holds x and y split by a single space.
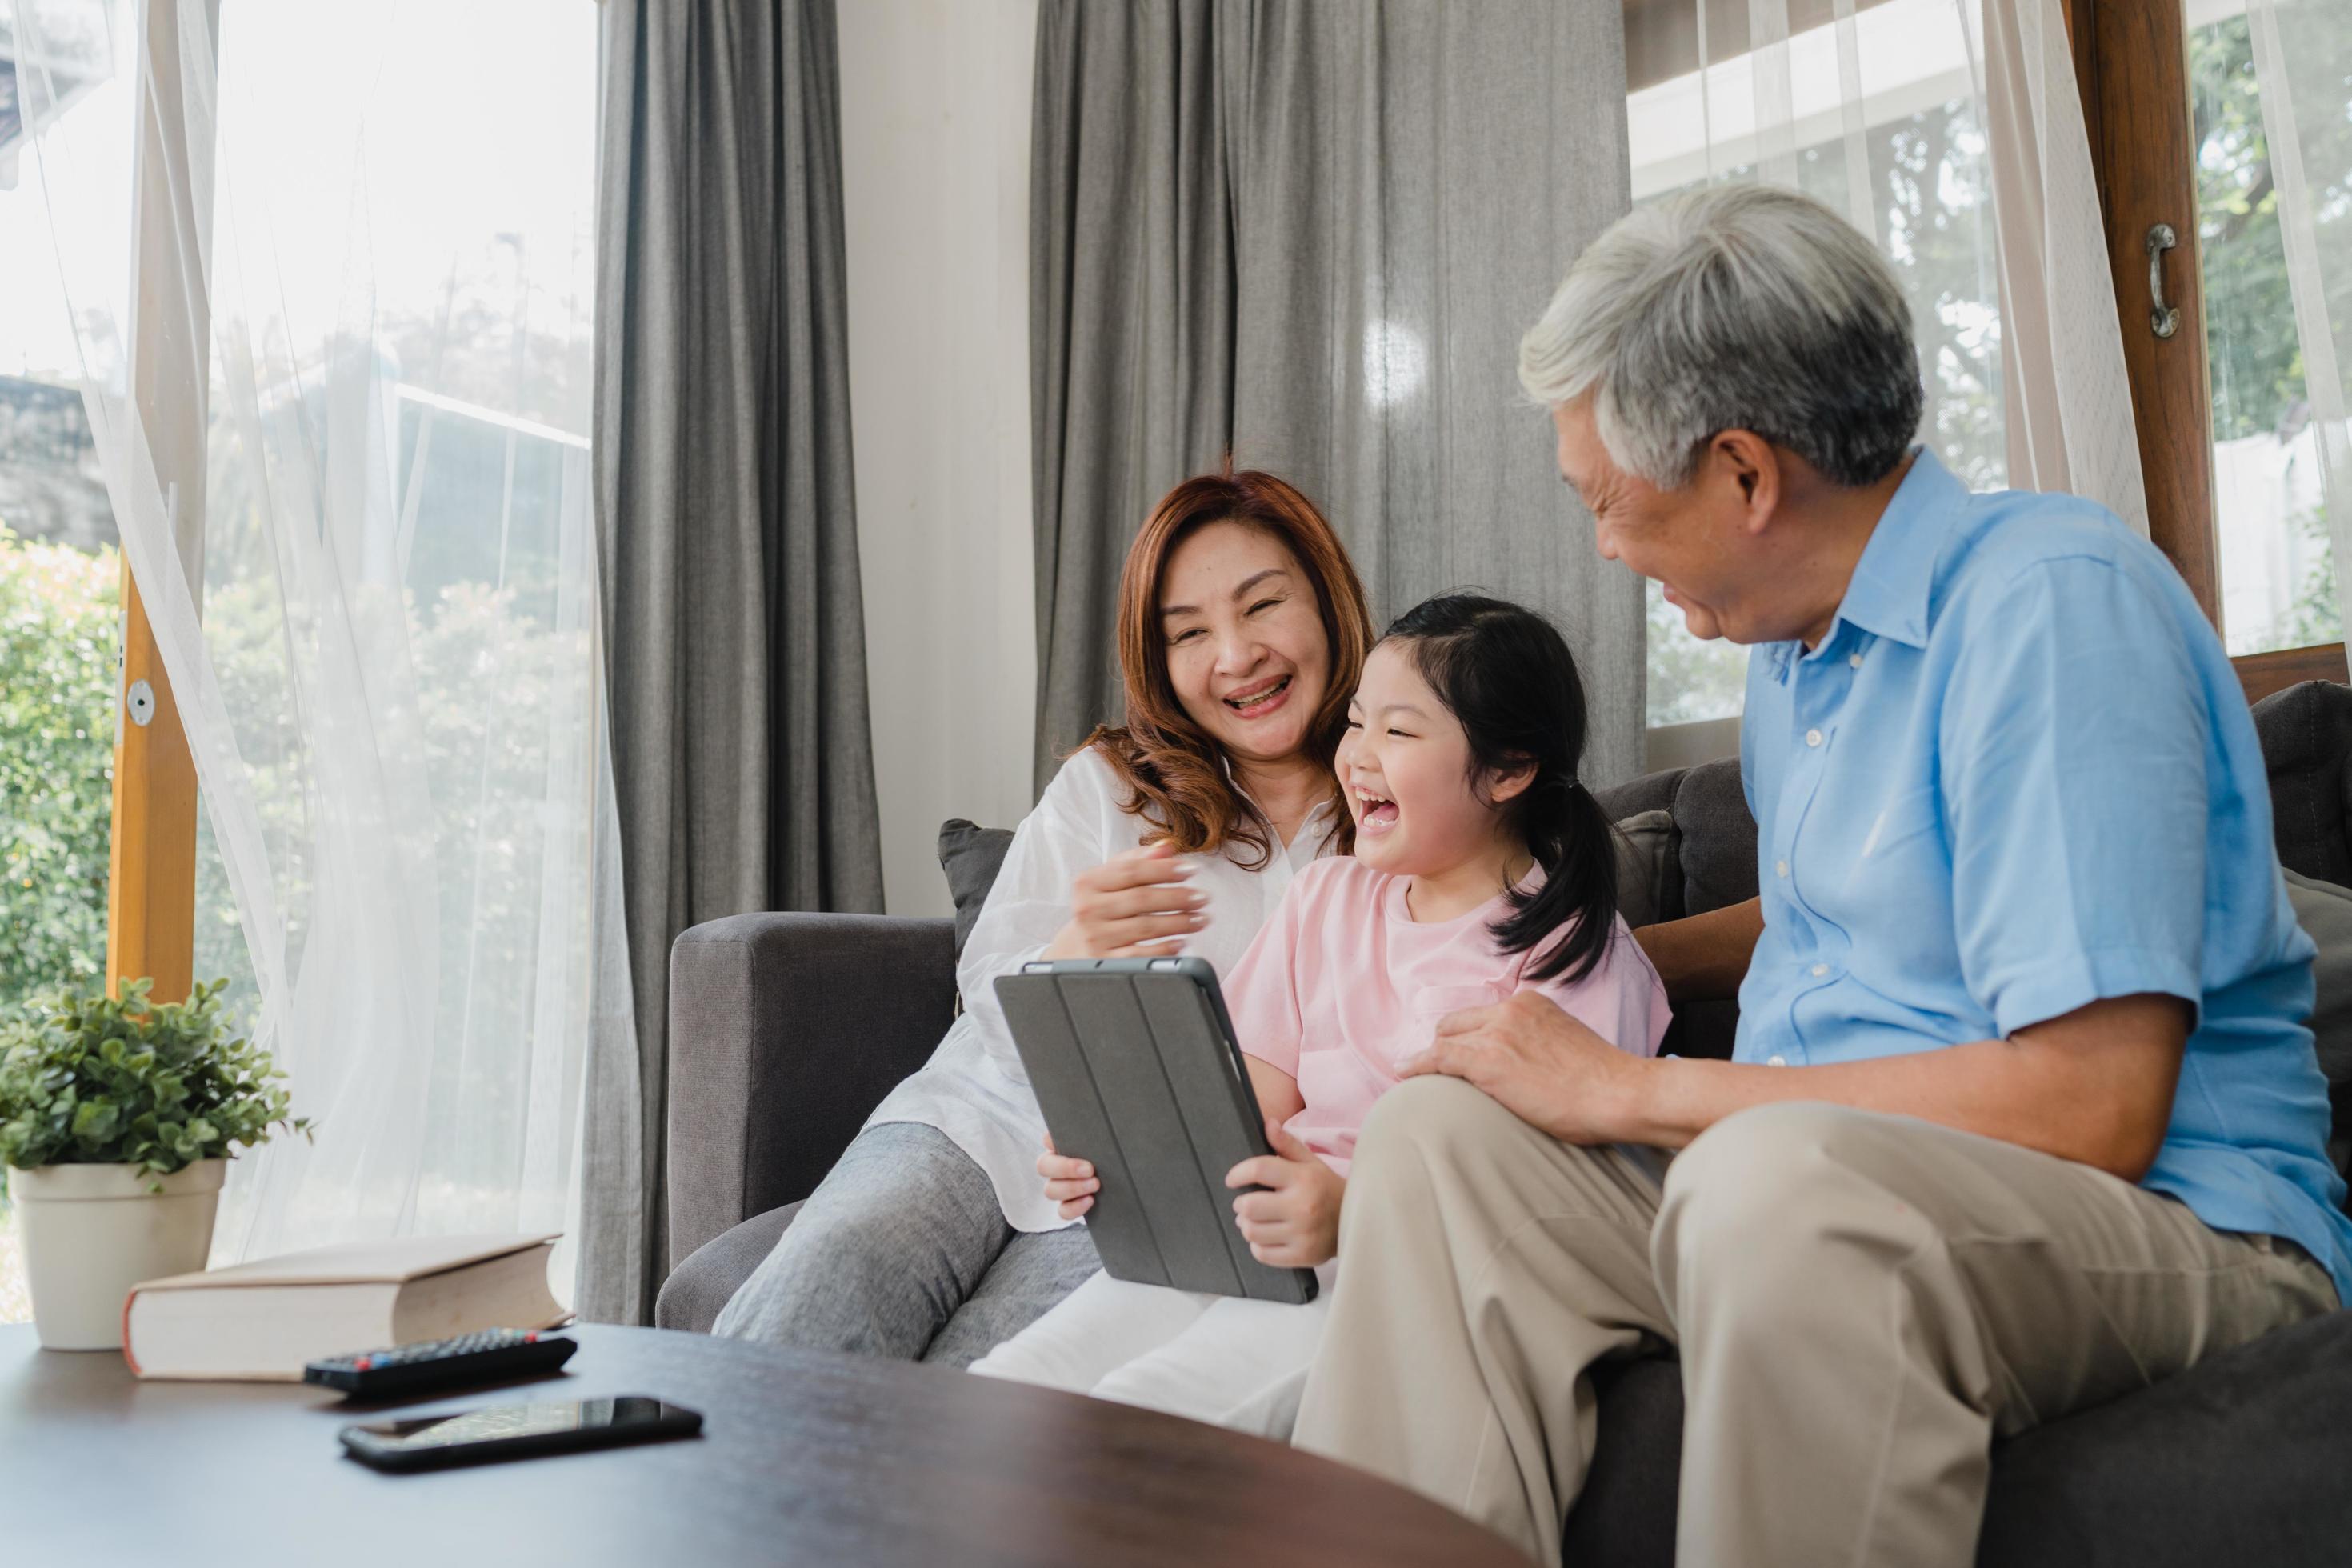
1752 1206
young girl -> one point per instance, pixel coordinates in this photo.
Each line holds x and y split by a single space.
1482 867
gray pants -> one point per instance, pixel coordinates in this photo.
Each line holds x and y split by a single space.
903 1251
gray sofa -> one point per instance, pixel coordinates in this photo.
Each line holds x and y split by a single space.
786 1030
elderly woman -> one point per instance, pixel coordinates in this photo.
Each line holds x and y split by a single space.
1242 631
2023 1112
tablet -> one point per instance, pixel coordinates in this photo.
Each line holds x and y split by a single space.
1134 1064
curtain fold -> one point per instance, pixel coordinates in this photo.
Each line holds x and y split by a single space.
1311 235
2068 399
726 528
1130 312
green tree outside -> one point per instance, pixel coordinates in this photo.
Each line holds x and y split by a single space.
60 612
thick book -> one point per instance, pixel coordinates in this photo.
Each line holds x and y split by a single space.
261 1322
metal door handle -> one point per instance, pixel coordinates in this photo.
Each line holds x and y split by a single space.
2162 319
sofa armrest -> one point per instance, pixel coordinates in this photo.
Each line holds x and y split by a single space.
785 1032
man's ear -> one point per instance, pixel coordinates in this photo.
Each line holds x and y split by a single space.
1748 468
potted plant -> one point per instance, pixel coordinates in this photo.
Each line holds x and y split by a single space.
117 1116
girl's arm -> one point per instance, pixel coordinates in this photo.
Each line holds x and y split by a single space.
1278 1098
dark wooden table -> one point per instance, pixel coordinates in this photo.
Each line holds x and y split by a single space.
802 1458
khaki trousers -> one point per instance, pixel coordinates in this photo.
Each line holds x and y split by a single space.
1861 1302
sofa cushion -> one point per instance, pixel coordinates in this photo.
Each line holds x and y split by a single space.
2307 736
2324 913
2235 1460
971 856
1718 837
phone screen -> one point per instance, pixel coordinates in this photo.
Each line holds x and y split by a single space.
507 1422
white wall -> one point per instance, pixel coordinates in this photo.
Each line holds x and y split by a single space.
934 101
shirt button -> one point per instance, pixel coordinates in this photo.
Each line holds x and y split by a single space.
1812 737
1819 970
1780 868
1856 660
1776 1061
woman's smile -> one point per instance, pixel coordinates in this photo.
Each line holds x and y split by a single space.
1261 698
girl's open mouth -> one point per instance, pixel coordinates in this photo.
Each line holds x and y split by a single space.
1374 814
1263 700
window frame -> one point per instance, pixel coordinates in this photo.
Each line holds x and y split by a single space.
151 898
2131 67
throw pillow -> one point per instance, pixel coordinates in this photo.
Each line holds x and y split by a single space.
1647 846
971 856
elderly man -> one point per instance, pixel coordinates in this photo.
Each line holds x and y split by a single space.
2023 1112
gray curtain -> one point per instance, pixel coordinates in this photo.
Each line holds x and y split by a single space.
734 638
1310 232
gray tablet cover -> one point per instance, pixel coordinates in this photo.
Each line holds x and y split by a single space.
1134 1064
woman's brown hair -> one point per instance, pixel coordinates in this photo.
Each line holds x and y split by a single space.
1175 773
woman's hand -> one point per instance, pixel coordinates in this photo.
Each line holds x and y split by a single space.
1297 1224
1069 1183
1136 905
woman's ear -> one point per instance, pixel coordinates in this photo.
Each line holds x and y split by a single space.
1510 782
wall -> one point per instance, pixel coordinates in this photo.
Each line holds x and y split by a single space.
935 102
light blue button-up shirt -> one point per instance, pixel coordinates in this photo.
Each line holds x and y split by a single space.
2017 776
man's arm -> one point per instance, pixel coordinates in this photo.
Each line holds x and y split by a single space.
2095 1086
1705 958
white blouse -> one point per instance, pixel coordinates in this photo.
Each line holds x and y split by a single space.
974 1088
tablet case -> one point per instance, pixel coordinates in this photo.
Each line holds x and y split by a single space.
1134 1064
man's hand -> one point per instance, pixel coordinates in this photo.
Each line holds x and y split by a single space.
1544 1067
1295 1225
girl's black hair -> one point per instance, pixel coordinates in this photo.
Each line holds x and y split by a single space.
1507 674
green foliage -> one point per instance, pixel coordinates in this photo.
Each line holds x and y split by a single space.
59 612
127 1080
2249 323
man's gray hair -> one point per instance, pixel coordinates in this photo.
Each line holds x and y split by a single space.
1733 306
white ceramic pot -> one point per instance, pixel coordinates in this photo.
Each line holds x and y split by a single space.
90 1232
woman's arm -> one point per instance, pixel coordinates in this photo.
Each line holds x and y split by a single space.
1705 957
1077 827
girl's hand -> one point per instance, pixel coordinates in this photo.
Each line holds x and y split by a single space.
1069 1183
1297 1224
1136 905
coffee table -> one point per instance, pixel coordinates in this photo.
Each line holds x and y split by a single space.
802 1458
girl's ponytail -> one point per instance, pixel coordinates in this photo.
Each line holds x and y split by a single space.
1574 840
1507 674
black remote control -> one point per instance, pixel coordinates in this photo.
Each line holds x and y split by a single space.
493 1356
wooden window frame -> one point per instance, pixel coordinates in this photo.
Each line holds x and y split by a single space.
2131 64
151 898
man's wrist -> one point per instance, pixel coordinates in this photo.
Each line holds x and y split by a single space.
1655 1100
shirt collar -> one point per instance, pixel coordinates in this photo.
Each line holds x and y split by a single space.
1888 594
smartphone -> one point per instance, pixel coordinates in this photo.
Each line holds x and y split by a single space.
516 1431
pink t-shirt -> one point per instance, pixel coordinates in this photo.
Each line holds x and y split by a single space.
1342 983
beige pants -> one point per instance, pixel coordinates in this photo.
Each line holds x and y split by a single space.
1859 1302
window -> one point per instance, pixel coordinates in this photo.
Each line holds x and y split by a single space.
1880 118
2278 579
60 573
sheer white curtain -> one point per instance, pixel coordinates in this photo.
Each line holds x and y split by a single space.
363 540
2304 113
1949 132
